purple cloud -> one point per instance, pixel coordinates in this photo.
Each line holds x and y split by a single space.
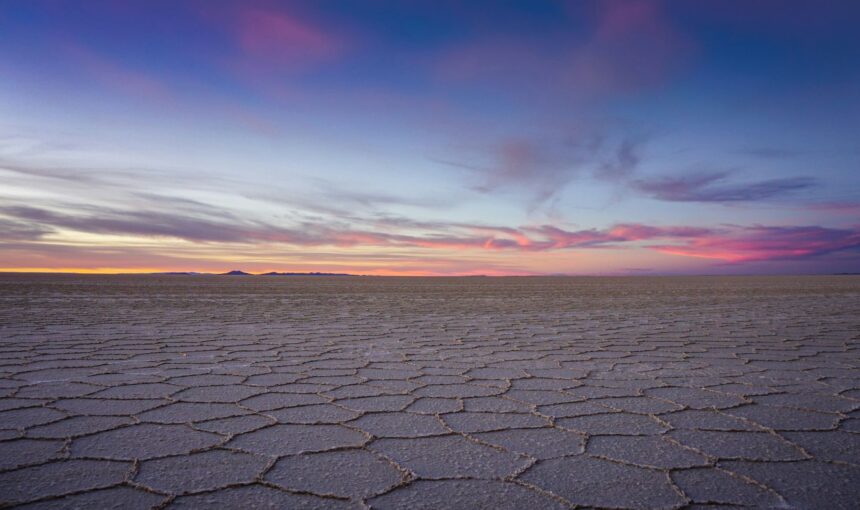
762 243
711 187
731 244
623 165
17 231
539 167
630 46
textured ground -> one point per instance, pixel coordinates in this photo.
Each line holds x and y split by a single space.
289 392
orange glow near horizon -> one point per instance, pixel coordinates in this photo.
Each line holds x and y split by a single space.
121 271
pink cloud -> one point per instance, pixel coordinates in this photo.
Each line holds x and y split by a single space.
267 45
733 244
281 37
554 238
630 45
635 231
633 46
852 208
767 243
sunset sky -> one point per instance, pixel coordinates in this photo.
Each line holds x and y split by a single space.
437 137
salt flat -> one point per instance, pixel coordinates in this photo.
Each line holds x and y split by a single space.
349 392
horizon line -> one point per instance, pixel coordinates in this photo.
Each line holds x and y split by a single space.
471 275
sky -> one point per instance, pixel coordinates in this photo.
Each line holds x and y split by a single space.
625 137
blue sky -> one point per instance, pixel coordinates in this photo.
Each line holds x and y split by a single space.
624 137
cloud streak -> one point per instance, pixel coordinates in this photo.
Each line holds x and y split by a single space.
732 244
539 167
712 187
11 230
761 243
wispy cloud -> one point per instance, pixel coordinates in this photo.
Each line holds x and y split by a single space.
545 167
762 243
634 46
523 162
138 223
630 46
539 167
266 46
19 231
281 37
716 187
622 169
111 204
22 226
845 207
623 163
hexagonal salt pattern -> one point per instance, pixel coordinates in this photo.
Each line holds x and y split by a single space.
197 392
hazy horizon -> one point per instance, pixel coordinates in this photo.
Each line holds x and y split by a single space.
318 274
